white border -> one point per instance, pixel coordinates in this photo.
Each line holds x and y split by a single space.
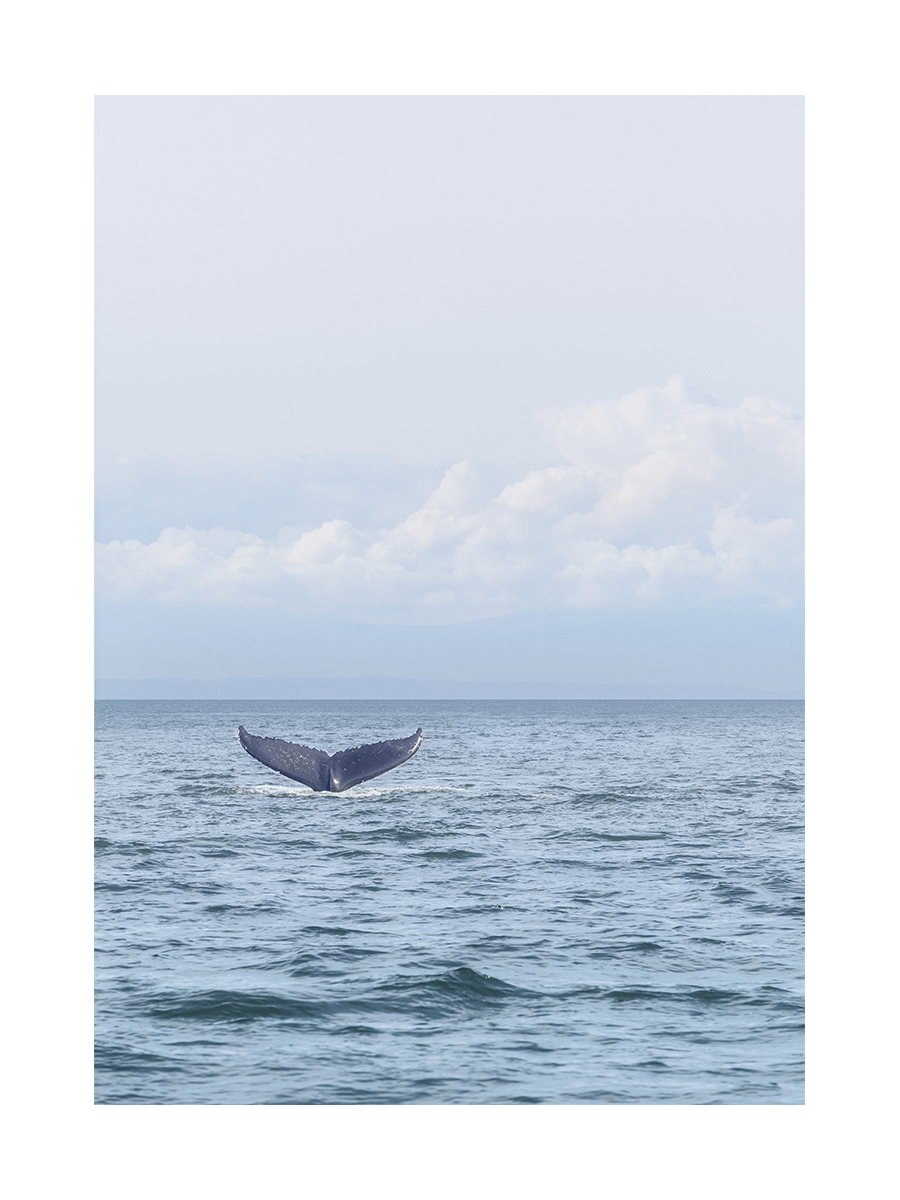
55 57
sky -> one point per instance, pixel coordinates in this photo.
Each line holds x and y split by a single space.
486 389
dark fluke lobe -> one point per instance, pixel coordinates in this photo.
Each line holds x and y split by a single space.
330 772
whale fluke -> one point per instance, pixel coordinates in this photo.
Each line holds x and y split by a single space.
329 772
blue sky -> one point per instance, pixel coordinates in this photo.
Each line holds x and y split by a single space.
529 370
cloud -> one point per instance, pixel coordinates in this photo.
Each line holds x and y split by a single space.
661 496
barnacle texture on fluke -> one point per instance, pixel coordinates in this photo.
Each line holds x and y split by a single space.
329 772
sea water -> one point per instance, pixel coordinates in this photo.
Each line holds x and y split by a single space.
553 902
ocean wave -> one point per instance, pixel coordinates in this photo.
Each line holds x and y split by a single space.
593 835
224 1005
689 995
123 1058
451 989
328 961
336 930
451 855
245 910
623 796
631 837
638 993
106 846
401 833
414 996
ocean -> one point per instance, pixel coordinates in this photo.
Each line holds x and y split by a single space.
553 902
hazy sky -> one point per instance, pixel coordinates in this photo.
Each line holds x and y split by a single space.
416 276
429 360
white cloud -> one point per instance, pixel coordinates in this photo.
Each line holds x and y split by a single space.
660 496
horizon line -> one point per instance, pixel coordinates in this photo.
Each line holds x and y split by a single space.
381 687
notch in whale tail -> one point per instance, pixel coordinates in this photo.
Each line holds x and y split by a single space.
330 772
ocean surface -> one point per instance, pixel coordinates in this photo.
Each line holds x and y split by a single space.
553 902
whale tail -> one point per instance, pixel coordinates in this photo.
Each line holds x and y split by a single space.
329 772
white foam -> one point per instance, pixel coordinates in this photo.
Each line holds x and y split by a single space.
285 789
